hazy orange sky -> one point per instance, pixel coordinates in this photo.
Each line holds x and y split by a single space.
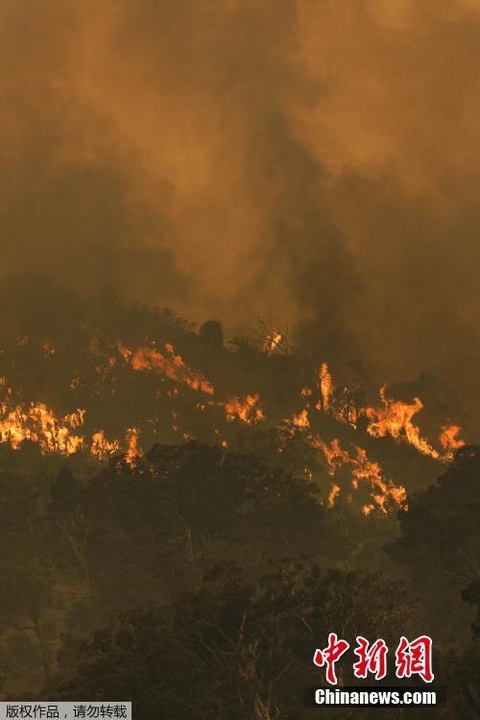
313 162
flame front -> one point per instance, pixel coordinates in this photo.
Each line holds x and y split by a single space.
348 469
170 365
38 424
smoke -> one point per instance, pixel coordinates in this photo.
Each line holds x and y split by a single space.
313 163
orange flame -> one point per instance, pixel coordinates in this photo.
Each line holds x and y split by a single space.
339 406
38 424
449 441
170 365
448 438
325 383
134 452
246 409
101 447
334 454
272 341
334 493
383 492
395 419
301 419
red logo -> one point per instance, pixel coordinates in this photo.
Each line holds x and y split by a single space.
372 658
411 658
330 656
415 658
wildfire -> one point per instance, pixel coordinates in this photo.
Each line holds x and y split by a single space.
349 469
169 364
393 419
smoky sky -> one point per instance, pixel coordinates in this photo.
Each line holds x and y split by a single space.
314 163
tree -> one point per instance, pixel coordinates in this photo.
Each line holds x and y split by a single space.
233 649
440 543
159 527
139 658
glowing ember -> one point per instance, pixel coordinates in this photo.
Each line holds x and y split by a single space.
48 348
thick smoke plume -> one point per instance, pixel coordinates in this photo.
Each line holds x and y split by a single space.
311 163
